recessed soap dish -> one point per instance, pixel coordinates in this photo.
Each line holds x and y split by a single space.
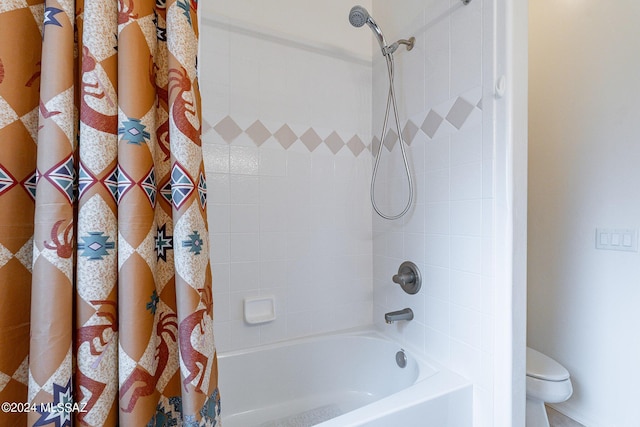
259 310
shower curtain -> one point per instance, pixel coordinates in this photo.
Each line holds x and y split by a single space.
106 311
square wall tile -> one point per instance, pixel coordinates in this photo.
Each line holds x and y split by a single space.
436 186
244 219
273 162
466 146
466 181
437 315
273 274
220 247
216 158
437 217
466 326
436 153
244 247
221 281
218 218
217 188
466 217
436 282
466 289
244 276
244 189
437 250
244 160
466 254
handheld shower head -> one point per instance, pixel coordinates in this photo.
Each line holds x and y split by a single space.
358 16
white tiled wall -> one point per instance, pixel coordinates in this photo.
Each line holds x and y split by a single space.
448 233
290 215
285 129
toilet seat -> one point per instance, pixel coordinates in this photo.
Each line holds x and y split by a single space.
549 391
542 367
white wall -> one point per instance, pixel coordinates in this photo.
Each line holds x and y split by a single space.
449 232
584 153
322 23
288 217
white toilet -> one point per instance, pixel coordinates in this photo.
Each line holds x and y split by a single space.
547 381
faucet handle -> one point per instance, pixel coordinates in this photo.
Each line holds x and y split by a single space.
403 279
408 277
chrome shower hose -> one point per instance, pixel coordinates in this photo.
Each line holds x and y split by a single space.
391 103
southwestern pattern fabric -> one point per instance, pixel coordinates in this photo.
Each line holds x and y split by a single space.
106 310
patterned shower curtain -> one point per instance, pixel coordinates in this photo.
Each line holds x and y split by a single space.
106 311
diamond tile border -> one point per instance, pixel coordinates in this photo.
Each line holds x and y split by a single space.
431 123
356 145
459 113
228 129
449 116
334 142
285 136
310 139
258 133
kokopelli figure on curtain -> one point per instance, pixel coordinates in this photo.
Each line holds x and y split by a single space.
98 336
184 108
145 383
92 87
196 362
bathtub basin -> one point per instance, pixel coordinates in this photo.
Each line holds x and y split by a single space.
343 379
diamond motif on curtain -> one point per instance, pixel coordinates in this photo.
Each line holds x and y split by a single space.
6 181
165 191
181 185
111 182
29 184
95 245
202 190
124 183
133 131
62 176
85 180
148 184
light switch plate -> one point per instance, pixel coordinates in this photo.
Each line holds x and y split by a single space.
617 239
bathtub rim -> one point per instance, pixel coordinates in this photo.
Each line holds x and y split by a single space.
438 382
368 331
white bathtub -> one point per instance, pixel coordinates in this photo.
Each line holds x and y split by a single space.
339 380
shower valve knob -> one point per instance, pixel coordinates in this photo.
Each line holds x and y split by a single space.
404 279
408 277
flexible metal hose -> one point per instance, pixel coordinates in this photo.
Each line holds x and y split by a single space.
391 102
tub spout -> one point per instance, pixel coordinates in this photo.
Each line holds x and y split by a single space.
404 314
